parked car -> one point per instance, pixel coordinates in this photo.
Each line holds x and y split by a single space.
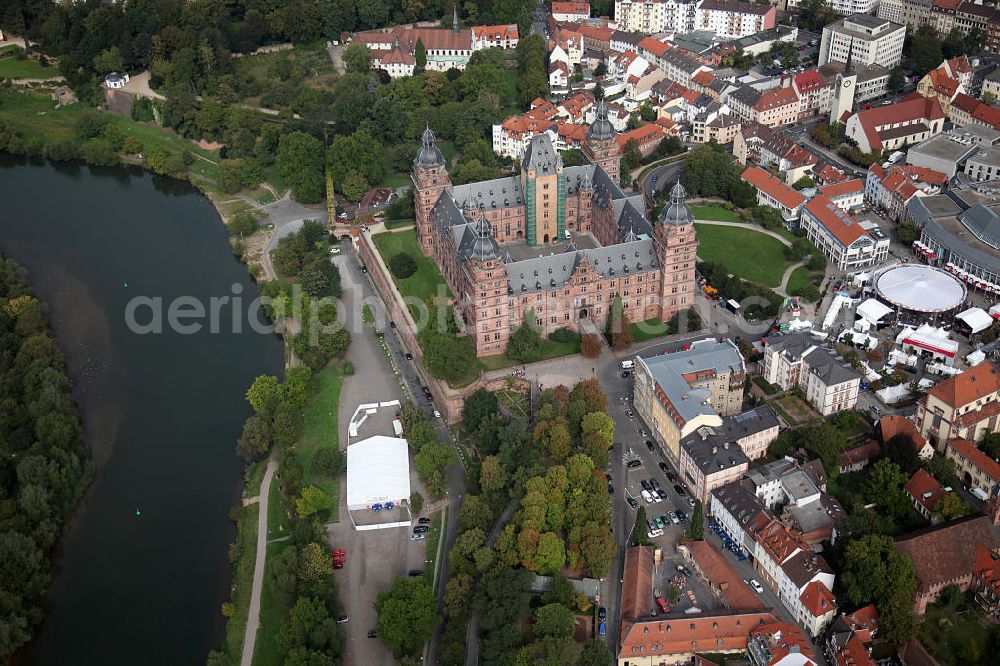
633 464
665 469
409 356
417 537
342 619
392 324
661 493
681 516
437 414
631 502
655 484
372 634
602 629
646 496
757 587
628 413
649 445
679 489
413 573
364 269
611 489
646 485
424 520
670 477
673 518
602 613
421 529
659 522
690 501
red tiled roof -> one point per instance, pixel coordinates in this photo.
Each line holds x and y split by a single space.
776 98
977 457
818 599
495 32
573 133
642 134
713 564
895 425
924 489
397 57
784 639
599 34
981 112
856 454
969 386
773 187
717 632
654 46
853 653
809 80
942 84
947 551
843 188
864 622
910 109
668 125
947 4
844 228
703 78
829 174
579 8
637 583
987 568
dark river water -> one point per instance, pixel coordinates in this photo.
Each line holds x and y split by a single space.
142 569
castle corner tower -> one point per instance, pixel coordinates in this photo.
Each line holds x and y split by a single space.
430 179
676 245
601 148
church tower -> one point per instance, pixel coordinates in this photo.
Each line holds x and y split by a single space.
845 86
676 246
430 179
600 148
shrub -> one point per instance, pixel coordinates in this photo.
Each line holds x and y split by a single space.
132 146
416 502
62 151
402 265
243 224
330 461
591 345
564 335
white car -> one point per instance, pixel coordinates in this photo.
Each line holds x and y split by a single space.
652 534
334 250
673 518
648 496
757 587
417 537
437 414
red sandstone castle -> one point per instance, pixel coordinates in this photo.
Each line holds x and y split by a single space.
561 242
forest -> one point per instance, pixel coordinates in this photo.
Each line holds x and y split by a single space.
44 461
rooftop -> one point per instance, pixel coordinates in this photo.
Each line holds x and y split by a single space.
924 489
841 225
977 457
944 552
969 386
773 187
736 593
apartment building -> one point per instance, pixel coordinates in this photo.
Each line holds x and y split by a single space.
734 20
653 16
774 193
976 469
794 360
570 11
761 145
965 406
864 39
675 394
839 236
890 189
911 13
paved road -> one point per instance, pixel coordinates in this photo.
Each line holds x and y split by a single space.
661 177
253 617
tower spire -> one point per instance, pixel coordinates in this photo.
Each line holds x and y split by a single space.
454 17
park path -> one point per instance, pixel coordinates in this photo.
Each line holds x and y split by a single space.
753 227
780 289
253 616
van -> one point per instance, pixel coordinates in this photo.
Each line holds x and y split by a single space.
628 365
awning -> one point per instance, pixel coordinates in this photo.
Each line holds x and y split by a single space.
929 347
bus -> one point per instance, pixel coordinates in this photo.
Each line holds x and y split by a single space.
731 305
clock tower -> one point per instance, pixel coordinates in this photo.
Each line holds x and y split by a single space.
844 88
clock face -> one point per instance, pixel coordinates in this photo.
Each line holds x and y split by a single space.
847 83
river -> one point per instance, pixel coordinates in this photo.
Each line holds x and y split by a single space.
142 569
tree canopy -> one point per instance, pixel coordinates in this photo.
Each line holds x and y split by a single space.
407 615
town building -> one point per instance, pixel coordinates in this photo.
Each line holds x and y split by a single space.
889 190
986 580
780 644
911 120
984 164
840 238
946 82
847 7
911 13
393 49
763 146
948 152
945 555
774 107
796 360
653 16
772 192
861 83
862 39
924 492
649 641
675 394
715 123
558 243
976 470
721 576
857 457
965 406
890 426
849 640
968 111
570 11
815 92
811 512
847 195
734 20
116 80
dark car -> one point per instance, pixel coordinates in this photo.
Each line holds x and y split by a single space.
646 485
372 634
655 484
665 469
364 269
678 489
424 520
632 464
671 477
681 516
409 356
632 502
392 324
602 613
421 529
611 489
413 573
661 493
342 619
649 445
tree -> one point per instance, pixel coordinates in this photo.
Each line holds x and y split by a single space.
554 619
926 48
313 500
640 531
532 78
407 615
598 90
826 443
551 554
264 394
990 444
416 502
631 159
492 476
883 477
109 60
591 345
477 407
525 345
595 653
600 424
901 450
420 54
875 571
402 265
357 59
896 80
458 596
951 506
314 563
243 224
618 329
698 521
360 153
300 162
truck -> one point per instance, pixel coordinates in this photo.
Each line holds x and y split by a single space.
397 427
731 305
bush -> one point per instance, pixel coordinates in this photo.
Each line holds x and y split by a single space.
564 335
243 224
97 153
132 146
591 345
330 461
91 124
402 265
62 151
416 502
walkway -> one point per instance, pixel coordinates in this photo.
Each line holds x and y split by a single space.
752 227
253 617
780 289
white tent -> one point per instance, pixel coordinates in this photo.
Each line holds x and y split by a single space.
976 319
378 471
890 395
927 338
975 358
873 311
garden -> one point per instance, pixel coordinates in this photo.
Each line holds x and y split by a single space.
745 253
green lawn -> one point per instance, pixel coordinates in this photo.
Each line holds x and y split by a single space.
35 116
712 212
277 512
319 429
433 538
254 475
273 611
649 329
14 68
802 277
396 224
745 253
427 280
954 638
550 349
246 554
